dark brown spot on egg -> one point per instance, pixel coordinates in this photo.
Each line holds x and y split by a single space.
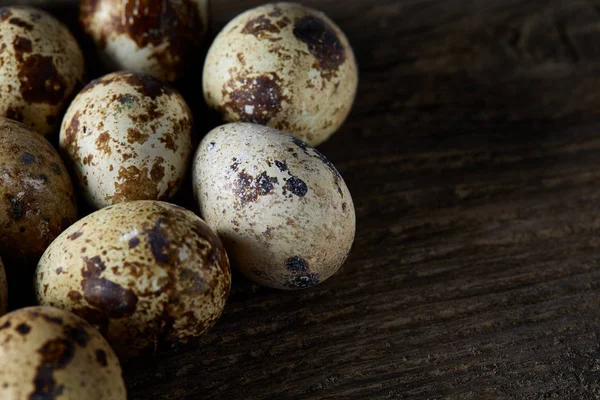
281 165
55 355
74 235
256 99
322 42
248 189
21 46
135 184
27 158
147 85
78 335
101 357
168 141
23 328
157 173
103 143
109 297
296 264
16 207
74 296
5 325
158 241
40 81
302 281
20 23
135 136
15 113
134 242
296 186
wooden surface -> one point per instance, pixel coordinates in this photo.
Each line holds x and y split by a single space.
473 154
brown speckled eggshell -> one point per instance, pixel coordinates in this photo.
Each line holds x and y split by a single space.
160 38
48 353
127 136
41 66
285 66
143 273
281 208
36 196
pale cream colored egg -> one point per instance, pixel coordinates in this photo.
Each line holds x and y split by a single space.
144 273
127 136
49 353
285 66
281 208
41 66
160 38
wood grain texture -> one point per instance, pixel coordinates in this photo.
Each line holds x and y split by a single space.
473 154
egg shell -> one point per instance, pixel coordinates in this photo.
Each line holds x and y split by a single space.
281 208
3 290
36 196
160 38
48 353
285 66
143 273
41 65
127 136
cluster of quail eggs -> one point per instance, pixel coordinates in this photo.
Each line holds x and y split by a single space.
141 273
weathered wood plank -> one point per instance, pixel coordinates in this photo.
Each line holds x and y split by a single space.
474 159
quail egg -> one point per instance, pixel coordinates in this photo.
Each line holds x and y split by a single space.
144 273
285 66
41 66
36 197
281 208
127 136
160 38
48 353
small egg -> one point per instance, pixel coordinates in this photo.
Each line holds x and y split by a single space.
48 353
3 290
285 66
127 136
36 197
160 38
144 273
281 208
41 65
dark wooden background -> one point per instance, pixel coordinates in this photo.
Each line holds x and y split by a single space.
473 154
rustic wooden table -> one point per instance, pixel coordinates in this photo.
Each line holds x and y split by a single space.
473 154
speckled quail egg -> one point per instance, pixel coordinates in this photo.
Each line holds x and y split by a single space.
3 290
41 66
285 66
49 353
143 273
281 208
160 38
127 136
36 197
